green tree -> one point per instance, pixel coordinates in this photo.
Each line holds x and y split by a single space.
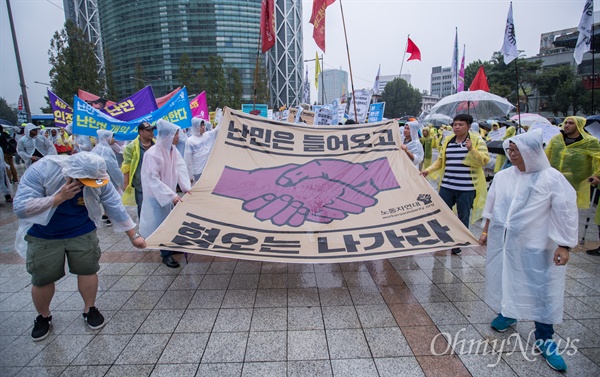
262 87
111 86
549 84
186 73
73 63
586 102
211 78
401 99
236 88
6 112
503 78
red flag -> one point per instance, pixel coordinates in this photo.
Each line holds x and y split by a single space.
480 81
413 50
267 24
317 19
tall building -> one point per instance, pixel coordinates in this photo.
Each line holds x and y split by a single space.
285 60
84 13
385 79
441 81
332 83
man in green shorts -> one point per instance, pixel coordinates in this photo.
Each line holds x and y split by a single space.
59 203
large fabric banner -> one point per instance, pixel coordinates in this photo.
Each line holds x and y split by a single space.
93 99
199 107
161 101
275 191
87 119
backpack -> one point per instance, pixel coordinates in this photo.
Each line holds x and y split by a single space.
9 145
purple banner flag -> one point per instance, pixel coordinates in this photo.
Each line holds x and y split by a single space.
135 106
63 112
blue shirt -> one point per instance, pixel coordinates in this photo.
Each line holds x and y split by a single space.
70 219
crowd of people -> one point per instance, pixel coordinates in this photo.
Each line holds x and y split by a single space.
74 183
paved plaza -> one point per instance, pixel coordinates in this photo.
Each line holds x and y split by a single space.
228 317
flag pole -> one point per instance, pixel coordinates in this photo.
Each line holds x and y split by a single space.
349 65
322 80
256 71
400 76
518 106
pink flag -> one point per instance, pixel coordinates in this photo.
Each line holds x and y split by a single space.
199 107
461 74
160 101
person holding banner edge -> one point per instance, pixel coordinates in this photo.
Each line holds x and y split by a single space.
459 171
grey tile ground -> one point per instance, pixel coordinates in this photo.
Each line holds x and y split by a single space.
226 317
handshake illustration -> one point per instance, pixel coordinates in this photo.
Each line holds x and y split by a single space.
320 191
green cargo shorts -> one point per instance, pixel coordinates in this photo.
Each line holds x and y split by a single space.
46 258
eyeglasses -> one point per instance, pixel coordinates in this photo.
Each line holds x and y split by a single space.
513 151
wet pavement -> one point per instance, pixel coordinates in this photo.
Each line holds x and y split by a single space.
228 317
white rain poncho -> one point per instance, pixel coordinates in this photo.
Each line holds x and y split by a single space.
414 146
33 203
162 169
198 148
530 214
183 136
5 187
27 145
81 143
104 150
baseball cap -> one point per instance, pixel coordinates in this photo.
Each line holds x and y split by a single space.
90 182
146 126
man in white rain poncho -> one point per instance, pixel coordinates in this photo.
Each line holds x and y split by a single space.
531 223
198 148
104 149
411 144
31 147
59 204
162 169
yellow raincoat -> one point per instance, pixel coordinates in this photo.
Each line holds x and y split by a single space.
577 161
427 142
500 158
477 158
131 159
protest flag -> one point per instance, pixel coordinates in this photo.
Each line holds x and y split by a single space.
317 19
454 67
317 70
584 42
413 50
267 24
461 74
376 83
480 81
509 47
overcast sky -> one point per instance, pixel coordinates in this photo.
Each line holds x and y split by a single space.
377 32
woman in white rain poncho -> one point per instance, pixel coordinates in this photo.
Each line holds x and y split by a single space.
30 143
162 169
198 148
103 149
531 209
411 143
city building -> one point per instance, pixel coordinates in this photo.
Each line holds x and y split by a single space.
385 79
332 83
428 101
441 81
285 60
155 34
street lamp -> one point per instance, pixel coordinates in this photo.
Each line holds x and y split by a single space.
42 83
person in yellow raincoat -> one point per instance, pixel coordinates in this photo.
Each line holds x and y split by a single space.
133 156
427 142
459 171
500 158
576 154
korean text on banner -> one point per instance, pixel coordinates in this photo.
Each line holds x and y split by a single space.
274 191
62 111
199 107
363 99
376 112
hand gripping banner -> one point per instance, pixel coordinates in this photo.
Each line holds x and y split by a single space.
275 191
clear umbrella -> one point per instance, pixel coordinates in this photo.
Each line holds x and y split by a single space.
480 104
437 119
528 119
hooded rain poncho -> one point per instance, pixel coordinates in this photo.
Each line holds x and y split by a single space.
162 169
33 203
500 158
198 148
27 145
530 214
414 145
104 150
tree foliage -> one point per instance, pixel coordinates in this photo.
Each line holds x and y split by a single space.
6 112
262 86
140 80
73 63
236 89
211 78
111 87
401 99
186 73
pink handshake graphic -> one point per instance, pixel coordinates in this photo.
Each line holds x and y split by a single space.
319 191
